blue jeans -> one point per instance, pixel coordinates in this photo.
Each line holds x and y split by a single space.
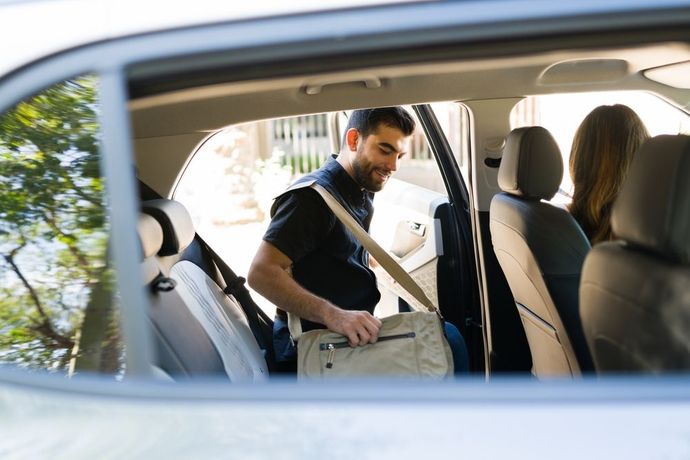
286 352
461 360
283 345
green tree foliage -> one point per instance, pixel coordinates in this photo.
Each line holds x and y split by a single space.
53 235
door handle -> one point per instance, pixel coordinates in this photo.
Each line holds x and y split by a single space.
416 228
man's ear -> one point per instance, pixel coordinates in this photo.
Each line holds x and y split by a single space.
352 137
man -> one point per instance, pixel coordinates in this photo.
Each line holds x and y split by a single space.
309 264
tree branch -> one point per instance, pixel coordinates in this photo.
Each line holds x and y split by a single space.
81 258
45 327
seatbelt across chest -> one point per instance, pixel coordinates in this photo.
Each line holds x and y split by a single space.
411 292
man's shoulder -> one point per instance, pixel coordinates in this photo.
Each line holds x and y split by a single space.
304 182
324 176
300 193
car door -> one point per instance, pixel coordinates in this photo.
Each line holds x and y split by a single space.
422 219
50 416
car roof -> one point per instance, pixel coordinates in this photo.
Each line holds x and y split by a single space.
82 22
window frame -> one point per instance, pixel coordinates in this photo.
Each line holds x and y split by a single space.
244 43
115 164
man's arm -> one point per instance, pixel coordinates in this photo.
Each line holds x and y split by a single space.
268 275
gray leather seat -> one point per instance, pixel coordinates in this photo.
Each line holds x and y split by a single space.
635 292
540 248
183 349
220 316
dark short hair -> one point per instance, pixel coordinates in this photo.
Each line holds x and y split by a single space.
366 121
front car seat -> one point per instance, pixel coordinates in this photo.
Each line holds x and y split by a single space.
540 248
635 292
220 315
183 349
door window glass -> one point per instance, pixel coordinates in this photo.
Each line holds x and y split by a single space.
57 299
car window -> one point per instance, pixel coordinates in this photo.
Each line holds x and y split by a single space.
58 309
658 116
455 122
419 167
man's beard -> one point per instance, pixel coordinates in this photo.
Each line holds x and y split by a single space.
364 171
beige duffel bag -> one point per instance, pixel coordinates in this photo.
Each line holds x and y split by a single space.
409 344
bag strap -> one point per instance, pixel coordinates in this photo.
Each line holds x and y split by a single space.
411 291
381 255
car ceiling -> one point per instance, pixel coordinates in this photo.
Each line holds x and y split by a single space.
173 123
209 108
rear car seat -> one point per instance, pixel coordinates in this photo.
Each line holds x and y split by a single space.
183 348
540 249
635 290
183 259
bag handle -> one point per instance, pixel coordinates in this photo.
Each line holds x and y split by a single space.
411 292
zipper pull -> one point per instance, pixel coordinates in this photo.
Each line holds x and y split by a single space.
331 355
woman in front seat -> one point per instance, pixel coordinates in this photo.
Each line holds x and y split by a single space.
602 151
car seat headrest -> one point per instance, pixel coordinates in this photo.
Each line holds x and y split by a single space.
531 166
653 207
151 240
150 235
173 217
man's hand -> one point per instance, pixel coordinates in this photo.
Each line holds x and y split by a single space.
269 276
360 327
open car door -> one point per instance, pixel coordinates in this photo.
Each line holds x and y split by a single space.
422 218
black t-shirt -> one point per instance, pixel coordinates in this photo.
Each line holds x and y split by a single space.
327 259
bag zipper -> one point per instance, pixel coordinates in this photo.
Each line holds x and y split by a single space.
332 346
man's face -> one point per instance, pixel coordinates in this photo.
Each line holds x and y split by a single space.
377 156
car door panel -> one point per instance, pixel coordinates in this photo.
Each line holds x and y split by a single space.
404 225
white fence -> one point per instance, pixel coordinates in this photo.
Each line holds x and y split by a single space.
305 144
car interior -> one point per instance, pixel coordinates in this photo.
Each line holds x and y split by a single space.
521 251
482 225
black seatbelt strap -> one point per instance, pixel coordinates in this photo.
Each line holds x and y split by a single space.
235 286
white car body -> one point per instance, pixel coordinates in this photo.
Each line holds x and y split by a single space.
47 416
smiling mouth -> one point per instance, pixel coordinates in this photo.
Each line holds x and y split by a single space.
383 175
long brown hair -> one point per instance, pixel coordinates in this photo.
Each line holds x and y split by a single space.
603 148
